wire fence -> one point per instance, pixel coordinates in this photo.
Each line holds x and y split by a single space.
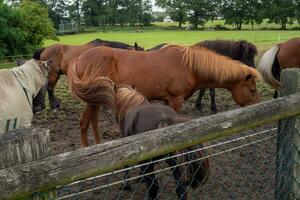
12 61
240 167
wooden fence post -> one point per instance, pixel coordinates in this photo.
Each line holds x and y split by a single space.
25 145
288 144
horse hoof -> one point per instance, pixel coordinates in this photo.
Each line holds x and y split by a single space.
199 107
214 110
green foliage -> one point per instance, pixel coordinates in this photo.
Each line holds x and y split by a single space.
23 29
177 9
112 12
201 11
281 11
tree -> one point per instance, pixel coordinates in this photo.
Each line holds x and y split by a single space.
23 28
200 11
12 37
280 11
36 23
234 12
177 9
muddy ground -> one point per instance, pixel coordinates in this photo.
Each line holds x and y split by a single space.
236 173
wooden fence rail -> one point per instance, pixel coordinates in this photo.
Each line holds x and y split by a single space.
22 180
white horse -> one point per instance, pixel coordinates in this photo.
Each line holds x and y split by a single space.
18 87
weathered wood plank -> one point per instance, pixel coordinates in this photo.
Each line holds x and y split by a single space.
65 168
288 144
24 145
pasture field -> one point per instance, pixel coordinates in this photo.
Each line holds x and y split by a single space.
150 38
232 173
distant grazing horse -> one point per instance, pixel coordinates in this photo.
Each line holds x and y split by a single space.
171 74
238 50
18 86
61 55
136 115
282 56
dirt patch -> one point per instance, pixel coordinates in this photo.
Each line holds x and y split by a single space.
246 172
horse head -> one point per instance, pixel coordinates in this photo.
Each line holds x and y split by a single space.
247 53
244 92
38 103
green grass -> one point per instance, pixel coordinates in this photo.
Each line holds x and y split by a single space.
150 38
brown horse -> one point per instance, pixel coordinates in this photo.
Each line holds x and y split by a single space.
242 51
171 74
136 115
282 56
61 55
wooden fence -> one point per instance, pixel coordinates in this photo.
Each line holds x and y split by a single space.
22 180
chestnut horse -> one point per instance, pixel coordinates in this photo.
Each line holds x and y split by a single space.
136 115
282 56
238 50
171 74
61 55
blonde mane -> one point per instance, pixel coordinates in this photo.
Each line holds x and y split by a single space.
213 66
127 98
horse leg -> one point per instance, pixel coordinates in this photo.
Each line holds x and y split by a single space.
180 187
213 105
275 94
151 181
94 120
84 124
199 99
127 186
53 100
176 103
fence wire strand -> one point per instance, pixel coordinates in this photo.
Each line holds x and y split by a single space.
123 180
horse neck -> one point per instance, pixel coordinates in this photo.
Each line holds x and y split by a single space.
31 78
224 48
213 70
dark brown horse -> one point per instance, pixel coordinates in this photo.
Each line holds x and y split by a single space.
171 74
61 55
282 56
237 50
136 115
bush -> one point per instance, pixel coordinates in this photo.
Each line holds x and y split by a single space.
23 29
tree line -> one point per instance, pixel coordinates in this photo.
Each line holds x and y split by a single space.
236 12
24 24
196 12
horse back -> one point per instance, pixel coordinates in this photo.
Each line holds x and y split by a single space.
289 53
147 117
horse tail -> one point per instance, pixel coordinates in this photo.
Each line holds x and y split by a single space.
37 54
92 88
265 66
197 170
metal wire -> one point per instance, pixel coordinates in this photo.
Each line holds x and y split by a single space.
167 168
178 155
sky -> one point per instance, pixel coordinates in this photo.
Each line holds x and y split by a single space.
155 8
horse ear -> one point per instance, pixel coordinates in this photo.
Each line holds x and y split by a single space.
136 46
49 62
248 77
